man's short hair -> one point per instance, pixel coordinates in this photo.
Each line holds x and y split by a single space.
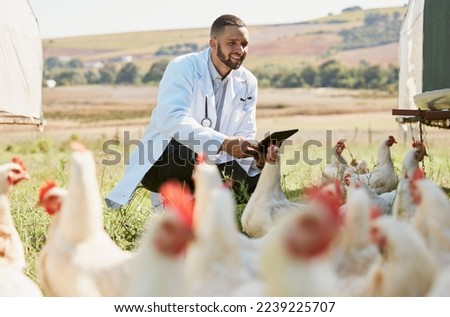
227 19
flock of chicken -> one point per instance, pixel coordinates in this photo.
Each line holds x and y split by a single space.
359 233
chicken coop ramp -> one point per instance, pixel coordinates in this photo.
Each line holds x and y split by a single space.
21 62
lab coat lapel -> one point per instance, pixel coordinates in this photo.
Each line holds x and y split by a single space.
232 102
203 74
206 85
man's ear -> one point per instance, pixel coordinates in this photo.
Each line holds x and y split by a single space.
213 43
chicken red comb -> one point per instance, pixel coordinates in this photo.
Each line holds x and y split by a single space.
77 146
45 188
417 144
17 160
200 158
331 198
375 212
180 200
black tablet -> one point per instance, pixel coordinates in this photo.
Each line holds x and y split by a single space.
275 138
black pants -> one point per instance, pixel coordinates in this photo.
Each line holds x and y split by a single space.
178 161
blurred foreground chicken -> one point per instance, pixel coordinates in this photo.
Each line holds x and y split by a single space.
407 267
158 268
11 247
432 216
13 281
78 251
296 259
268 204
354 254
221 259
441 284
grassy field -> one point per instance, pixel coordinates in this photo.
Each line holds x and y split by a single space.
93 115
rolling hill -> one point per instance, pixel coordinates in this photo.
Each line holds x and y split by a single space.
284 44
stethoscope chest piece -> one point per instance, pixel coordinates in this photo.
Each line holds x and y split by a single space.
206 122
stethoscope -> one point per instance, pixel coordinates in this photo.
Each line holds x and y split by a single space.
206 121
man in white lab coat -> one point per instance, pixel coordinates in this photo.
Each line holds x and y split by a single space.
206 104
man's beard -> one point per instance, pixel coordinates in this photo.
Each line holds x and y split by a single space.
227 61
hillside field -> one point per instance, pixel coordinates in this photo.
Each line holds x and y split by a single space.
289 45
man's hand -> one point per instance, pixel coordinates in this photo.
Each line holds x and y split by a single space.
240 147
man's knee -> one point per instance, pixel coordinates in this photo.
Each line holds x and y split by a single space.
176 162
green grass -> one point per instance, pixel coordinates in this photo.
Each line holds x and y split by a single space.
47 159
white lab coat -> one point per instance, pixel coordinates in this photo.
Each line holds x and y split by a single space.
180 109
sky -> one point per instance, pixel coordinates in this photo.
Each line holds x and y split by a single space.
61 18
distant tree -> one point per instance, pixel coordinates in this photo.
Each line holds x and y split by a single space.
52 63
372 76
128 74
92 77
375 18
155 72
75 63
290 79
351 9
330 73
108 74
392 74
69 77
309 75
395 16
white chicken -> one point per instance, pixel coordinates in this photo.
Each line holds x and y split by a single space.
78 251
354 254
267 204
382 178
407 267
432 217
361 167
11 246
14 282
296 259
221 259
441 285
51 198
158 268
384 201
403 207
337 167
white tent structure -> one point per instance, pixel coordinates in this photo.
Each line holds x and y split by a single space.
21 62
424 59
410 55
